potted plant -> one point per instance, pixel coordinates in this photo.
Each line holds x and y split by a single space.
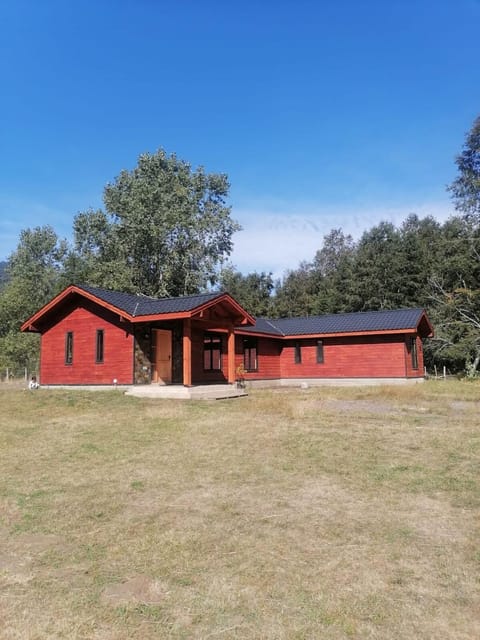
241 376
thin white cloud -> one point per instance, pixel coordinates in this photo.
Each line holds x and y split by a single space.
277 240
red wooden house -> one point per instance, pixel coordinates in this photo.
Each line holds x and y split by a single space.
91 336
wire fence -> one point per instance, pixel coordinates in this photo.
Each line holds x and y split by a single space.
19 374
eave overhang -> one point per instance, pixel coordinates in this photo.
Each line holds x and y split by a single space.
306 336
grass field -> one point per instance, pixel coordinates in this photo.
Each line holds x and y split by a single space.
297 514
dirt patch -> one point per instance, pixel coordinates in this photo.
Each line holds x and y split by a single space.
463 405
37 542
365 406
10 512
15 568
137 590
436 521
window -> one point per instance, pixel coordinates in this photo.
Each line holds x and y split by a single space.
212 352
413 353
69 347
298 353
99 346
250 362
319 351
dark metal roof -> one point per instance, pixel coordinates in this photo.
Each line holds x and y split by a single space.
140 305
263 325
364 321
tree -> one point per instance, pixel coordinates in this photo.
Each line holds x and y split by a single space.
455 297
35 271
455 288
465 188
422 254
295 293
3 274
333 272
379 270
252 291
166 229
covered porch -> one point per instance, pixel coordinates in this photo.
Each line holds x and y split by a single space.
189 349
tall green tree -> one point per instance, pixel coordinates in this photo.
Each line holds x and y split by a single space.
465 189
455 297
378 269
333 272
35 271
166 229
253 291
456 286
295 293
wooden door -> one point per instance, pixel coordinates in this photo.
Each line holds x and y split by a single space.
162 370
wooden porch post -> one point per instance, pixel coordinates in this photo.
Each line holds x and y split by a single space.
231 355
187 352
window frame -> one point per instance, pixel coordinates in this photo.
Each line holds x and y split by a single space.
320 352
249 345
414 353
69 348
100 346
297 352
212 342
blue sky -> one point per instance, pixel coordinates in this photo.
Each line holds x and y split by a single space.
323 114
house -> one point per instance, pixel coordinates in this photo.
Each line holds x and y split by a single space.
91 336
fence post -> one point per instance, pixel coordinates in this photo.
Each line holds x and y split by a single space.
26 374
7 378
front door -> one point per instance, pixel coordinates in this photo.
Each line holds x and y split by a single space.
162 370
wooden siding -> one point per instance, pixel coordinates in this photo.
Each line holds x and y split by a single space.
356 357
83 320
268 358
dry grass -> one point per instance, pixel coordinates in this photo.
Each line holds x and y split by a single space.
328 513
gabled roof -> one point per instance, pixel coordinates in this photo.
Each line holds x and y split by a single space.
138 305
384 321
140 308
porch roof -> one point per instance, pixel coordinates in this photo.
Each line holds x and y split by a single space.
137 305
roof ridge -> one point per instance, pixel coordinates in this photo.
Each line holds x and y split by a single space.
192 295
145 296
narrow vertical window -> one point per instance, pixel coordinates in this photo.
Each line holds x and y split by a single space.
414 353
99 346
298 353
319 351
250 362
69 347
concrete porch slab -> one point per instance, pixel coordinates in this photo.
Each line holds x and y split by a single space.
179 392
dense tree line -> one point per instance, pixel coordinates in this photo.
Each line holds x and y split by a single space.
166 230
